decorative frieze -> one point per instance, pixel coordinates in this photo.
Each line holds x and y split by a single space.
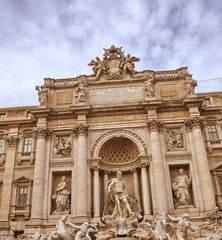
194 122
174 139
12 141
154 125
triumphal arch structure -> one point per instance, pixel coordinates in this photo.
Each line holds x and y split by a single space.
69 155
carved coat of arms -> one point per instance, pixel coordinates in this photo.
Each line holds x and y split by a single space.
114 65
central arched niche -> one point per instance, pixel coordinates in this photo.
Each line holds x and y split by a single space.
118 150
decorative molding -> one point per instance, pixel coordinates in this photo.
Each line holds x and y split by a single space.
118 133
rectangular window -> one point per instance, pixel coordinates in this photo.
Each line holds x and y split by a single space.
27 144
212 132
1 145
2 116
22 196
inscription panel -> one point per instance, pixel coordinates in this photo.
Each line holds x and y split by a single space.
116 94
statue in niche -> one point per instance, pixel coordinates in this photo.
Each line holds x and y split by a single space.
117 188
62 147
62 197
190 86
181 190
120 204
81 92
148 88
43 96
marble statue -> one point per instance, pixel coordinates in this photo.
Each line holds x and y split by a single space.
149 88
81 92
183 225
43 96
62 197
190 86
84 230
117 189
181 187
115 64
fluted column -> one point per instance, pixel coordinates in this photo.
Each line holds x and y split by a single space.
39 173
12 142
195 123
82 176
145 187
158 168
96 194
136 185
105 180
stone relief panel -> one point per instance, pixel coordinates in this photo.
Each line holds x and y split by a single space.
181 182
62 146
175 139
61 193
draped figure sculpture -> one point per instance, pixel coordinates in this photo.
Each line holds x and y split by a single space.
62 197
181 187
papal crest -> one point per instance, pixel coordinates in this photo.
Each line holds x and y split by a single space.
115 64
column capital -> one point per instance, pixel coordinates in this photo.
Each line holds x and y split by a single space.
42 132
80 129
154 125
12 141
194 122
134 170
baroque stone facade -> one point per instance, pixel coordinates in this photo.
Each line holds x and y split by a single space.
61 157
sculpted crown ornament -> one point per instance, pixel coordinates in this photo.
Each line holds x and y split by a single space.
115 64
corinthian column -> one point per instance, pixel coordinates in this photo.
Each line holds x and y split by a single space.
12 142
39 173
96 195
82 176
195 123
158 168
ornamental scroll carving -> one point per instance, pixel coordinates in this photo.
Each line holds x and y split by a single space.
154 125
42 132
175 139
193 122
115 64
12 141
62 146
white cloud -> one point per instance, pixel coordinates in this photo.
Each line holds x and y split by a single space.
58 39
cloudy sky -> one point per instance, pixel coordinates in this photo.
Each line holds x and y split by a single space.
58 38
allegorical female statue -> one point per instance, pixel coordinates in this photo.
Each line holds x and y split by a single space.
62 197
181 189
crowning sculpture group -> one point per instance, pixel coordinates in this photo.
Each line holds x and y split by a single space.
122 217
